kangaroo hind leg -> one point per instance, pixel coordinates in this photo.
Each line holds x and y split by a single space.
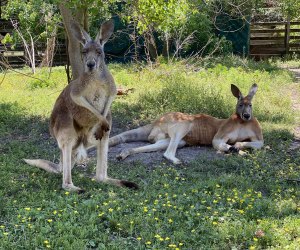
138 134
159 145
66 140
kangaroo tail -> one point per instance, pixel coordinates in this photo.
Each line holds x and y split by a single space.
138 134
121 183
44 164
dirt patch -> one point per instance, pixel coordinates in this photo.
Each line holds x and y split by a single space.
185 154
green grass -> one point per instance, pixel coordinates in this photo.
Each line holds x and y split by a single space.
218 203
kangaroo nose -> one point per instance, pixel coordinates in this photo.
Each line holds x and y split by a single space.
91 65
246 116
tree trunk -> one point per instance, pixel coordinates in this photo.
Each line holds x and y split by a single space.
151 45
166 47
49 51
73 44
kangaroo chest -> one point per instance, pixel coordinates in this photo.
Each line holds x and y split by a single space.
97 95
240 134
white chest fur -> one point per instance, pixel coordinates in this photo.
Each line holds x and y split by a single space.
241 134
97 95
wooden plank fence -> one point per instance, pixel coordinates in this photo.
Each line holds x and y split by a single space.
269 39
15 57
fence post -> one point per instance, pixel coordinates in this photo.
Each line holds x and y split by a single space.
287 35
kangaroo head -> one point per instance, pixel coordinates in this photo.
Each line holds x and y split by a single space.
244 105
93 50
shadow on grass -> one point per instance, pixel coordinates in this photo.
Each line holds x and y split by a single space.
21 137
19 130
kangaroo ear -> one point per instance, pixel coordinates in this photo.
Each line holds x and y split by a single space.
81 35
106 30
252 91
236 92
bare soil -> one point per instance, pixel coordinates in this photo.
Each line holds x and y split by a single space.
185 154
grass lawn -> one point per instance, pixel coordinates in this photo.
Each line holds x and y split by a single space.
231 202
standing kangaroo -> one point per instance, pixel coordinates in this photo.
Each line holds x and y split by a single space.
81 116
172 130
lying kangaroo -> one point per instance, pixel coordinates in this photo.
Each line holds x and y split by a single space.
81 115
172 130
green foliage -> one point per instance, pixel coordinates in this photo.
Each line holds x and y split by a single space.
7 39
204 41
213 202
37 17
165 16
290 8
176 88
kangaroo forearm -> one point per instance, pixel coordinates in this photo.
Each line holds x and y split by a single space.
221 145
108 105
81 101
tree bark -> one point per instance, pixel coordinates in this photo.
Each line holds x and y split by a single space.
151 45
49 51
73 44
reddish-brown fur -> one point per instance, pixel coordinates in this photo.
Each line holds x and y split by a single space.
172 130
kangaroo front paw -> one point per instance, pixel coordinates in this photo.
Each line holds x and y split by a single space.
102 129
105 125
99 134
233 149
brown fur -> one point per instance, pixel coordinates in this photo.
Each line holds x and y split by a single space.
81 114
173 130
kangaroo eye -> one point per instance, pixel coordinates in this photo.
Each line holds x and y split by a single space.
241 105
250 105
84 52
99 52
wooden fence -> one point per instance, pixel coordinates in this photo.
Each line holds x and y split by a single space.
269 39
16 56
